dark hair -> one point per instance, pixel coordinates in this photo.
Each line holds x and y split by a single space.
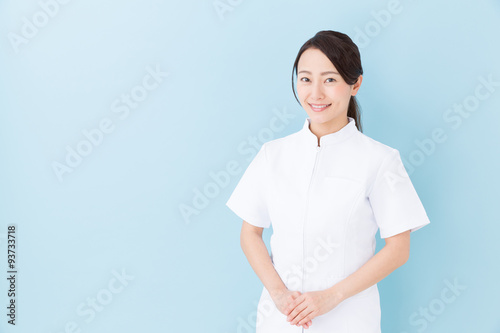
344 55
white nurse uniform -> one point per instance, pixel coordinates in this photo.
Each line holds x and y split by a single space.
325 204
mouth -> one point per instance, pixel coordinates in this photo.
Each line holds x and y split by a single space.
319 107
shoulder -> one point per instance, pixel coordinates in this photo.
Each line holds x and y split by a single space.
373 147
372 153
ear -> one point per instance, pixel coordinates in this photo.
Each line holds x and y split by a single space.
355 86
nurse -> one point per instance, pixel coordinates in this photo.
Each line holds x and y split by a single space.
326 190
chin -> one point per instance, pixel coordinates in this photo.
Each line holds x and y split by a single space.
320 117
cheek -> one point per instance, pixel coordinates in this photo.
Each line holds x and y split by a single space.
301 93
341 92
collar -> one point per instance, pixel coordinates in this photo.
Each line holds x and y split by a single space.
331 138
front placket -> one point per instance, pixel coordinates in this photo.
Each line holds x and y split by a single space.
304 221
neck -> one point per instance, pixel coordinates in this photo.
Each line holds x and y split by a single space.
320 129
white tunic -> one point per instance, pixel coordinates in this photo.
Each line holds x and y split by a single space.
325 204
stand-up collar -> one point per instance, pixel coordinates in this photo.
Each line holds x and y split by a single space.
331 138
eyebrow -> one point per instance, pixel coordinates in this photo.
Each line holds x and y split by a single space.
324 73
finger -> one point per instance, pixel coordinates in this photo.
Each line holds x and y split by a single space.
293 304
301 317
292 308
295 315
304 317
290 299
289 304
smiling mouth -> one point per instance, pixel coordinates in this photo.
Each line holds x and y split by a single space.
319 107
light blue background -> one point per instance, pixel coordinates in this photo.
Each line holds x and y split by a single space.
120 209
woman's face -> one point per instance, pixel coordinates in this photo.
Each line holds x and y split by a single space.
323 93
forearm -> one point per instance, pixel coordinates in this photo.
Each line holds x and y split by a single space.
257 255
374 270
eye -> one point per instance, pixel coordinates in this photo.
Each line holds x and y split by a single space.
330 79
304 78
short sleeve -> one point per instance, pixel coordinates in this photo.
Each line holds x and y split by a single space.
394 201
249 198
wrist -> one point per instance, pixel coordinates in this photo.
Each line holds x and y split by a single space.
277 290
335 292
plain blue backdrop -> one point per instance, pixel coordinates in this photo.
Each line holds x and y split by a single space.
119 119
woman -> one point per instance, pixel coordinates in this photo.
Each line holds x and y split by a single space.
326 190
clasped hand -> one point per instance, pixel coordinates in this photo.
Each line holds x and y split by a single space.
302 308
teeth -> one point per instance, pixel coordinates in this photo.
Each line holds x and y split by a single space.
319 106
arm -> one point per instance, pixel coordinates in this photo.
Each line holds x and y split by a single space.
257 255
394 254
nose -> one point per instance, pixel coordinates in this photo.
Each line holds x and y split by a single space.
317 91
